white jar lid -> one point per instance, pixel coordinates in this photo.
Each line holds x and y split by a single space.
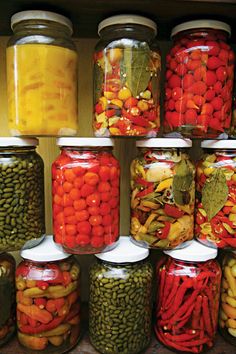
164 143
125 252
41 15
83 142
218 144
205 23
9 141
45 251
194 252
127 19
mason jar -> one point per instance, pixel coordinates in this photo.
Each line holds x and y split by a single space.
7 297
48 299
86 195
120 303
187 300
127 65
199 80
162 194
215 223
41 75
21 193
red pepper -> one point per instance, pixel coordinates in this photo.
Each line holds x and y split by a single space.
162 233
145 192
43 285
140 121
173 211
231 242
44 327
22 270
218 228
206 316
110 113
143 182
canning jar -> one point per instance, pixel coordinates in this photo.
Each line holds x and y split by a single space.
188 298
199 80
86 195
215 223
120 303
48 299
162 193
21 193
127 65
227 316
41 75
7 297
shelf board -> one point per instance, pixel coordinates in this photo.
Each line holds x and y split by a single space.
86 15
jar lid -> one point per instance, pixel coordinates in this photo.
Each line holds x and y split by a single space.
83 142
9 141
45 251
194 252
218 144
125 252
127 19
41 15
205 23
164 143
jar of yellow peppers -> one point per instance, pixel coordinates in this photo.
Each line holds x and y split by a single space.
41 75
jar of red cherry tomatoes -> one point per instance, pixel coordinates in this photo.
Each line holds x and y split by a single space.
188 298
127 65
86 195
215 222
199 80
48 299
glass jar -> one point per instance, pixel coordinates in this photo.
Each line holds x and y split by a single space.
188 298
127 65
215 223
7 297
162 194
86 195
21 193
48 299
227 315
41 75
199 80
120 303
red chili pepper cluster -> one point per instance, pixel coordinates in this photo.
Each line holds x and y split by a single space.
199 82
187 304
85 200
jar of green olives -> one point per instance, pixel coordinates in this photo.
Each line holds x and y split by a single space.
21 193
120 300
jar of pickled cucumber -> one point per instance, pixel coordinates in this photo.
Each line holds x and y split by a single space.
227 316
162 194
41 75
86 195
21 193
120 303
48 299
7 297
127 65
215 223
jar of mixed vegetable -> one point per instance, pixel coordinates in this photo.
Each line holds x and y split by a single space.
120 303
86 195
48 299
7 297
162 194
188 298
199 80
41 75
227 316
216 194
21 193
127 67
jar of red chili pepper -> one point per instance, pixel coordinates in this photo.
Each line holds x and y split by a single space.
48 299
127 66
199 80
162 194
215 223
86 195
188 298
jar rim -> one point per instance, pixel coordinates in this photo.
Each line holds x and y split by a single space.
164 143
204 23
85 142
40 15
127 19
12 142
218 144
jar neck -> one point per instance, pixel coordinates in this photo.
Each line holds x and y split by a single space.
132 31
91 149
122 264
17 149
41 27
201 33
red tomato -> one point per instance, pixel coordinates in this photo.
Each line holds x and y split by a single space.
82 215
70 229
80 204
93 199
69 211
106 220
95 220
105 208
96 242
87 190
105 196
84 227
78 182
104 187
82 240
69 175
67 186
94 210
104 173
98 230
74 194
91 178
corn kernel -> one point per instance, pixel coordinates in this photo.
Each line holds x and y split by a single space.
117 102
142 105
109 95
124 94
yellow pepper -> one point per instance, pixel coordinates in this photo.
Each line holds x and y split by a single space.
167 183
